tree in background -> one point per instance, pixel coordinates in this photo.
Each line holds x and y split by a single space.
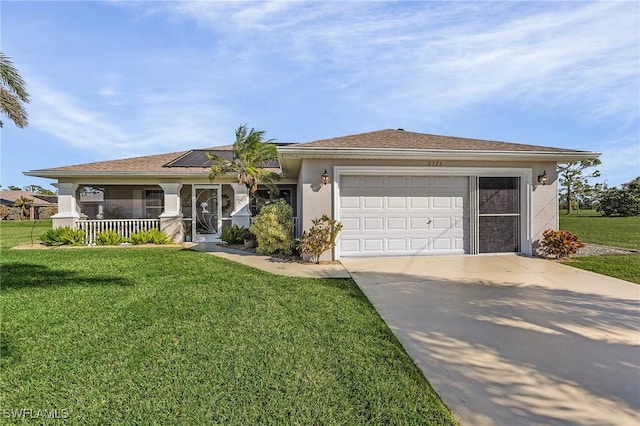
574 181
37 189
24 204
251 157
13 95
623 201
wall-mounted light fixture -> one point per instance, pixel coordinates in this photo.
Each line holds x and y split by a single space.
543 178
325 177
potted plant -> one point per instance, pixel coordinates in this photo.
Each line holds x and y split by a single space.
249 239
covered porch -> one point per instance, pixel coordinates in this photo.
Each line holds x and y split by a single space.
185 211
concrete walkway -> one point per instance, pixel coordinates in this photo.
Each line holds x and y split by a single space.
273 264
511 340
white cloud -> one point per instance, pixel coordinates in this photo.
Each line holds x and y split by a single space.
148 124
446 56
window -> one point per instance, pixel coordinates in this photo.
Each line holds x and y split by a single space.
264 196
153 203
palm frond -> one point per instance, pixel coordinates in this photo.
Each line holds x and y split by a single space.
251 154
220 166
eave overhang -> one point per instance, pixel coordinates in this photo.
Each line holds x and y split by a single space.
55 174
291 157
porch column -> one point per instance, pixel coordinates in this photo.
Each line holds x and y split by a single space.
241 215
171 217
68 212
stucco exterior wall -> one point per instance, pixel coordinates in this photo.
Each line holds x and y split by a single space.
544 202
317 199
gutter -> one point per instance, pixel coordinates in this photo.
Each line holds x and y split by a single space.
448 154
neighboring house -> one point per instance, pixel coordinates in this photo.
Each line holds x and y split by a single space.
39 203
395 192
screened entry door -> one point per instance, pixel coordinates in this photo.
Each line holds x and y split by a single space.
206 212
499 214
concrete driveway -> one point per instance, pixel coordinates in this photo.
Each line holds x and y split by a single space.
511 340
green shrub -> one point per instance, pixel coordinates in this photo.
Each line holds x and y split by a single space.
320 237
64 236
233 234
152 236
560 244
109 238
273 228
621 202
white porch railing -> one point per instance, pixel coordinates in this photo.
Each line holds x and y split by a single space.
124 227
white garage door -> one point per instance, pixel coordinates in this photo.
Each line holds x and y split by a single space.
403 215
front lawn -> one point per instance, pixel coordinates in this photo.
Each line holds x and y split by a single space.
625 267
171 336
593 228
16 233
608 231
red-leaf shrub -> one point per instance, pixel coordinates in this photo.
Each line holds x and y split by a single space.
560 244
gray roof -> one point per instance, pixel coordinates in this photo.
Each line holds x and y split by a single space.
401 139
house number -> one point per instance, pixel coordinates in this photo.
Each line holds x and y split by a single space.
431 163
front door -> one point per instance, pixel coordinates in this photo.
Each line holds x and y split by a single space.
206 213
499 214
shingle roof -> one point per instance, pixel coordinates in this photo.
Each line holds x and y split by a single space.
400 139
186 162
161 163
147 163
9 197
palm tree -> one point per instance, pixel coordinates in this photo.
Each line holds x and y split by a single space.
251 157
12 93
25 206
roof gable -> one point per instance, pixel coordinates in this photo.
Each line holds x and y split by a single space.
401 139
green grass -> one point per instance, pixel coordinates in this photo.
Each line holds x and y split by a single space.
170 336
625 267
16 233
608 231
593 228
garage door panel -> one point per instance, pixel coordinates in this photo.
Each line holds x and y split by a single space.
418 202
441 202
396 202
397 182
418 182
374 245
349 182
419 223
440 223
418 244
442 244
373 202
403 215
349 245
373 223
397 223
350 203
373 182
350 224
396 245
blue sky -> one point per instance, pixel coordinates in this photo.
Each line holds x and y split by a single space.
118 79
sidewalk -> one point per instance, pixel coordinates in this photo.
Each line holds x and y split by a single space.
273 265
